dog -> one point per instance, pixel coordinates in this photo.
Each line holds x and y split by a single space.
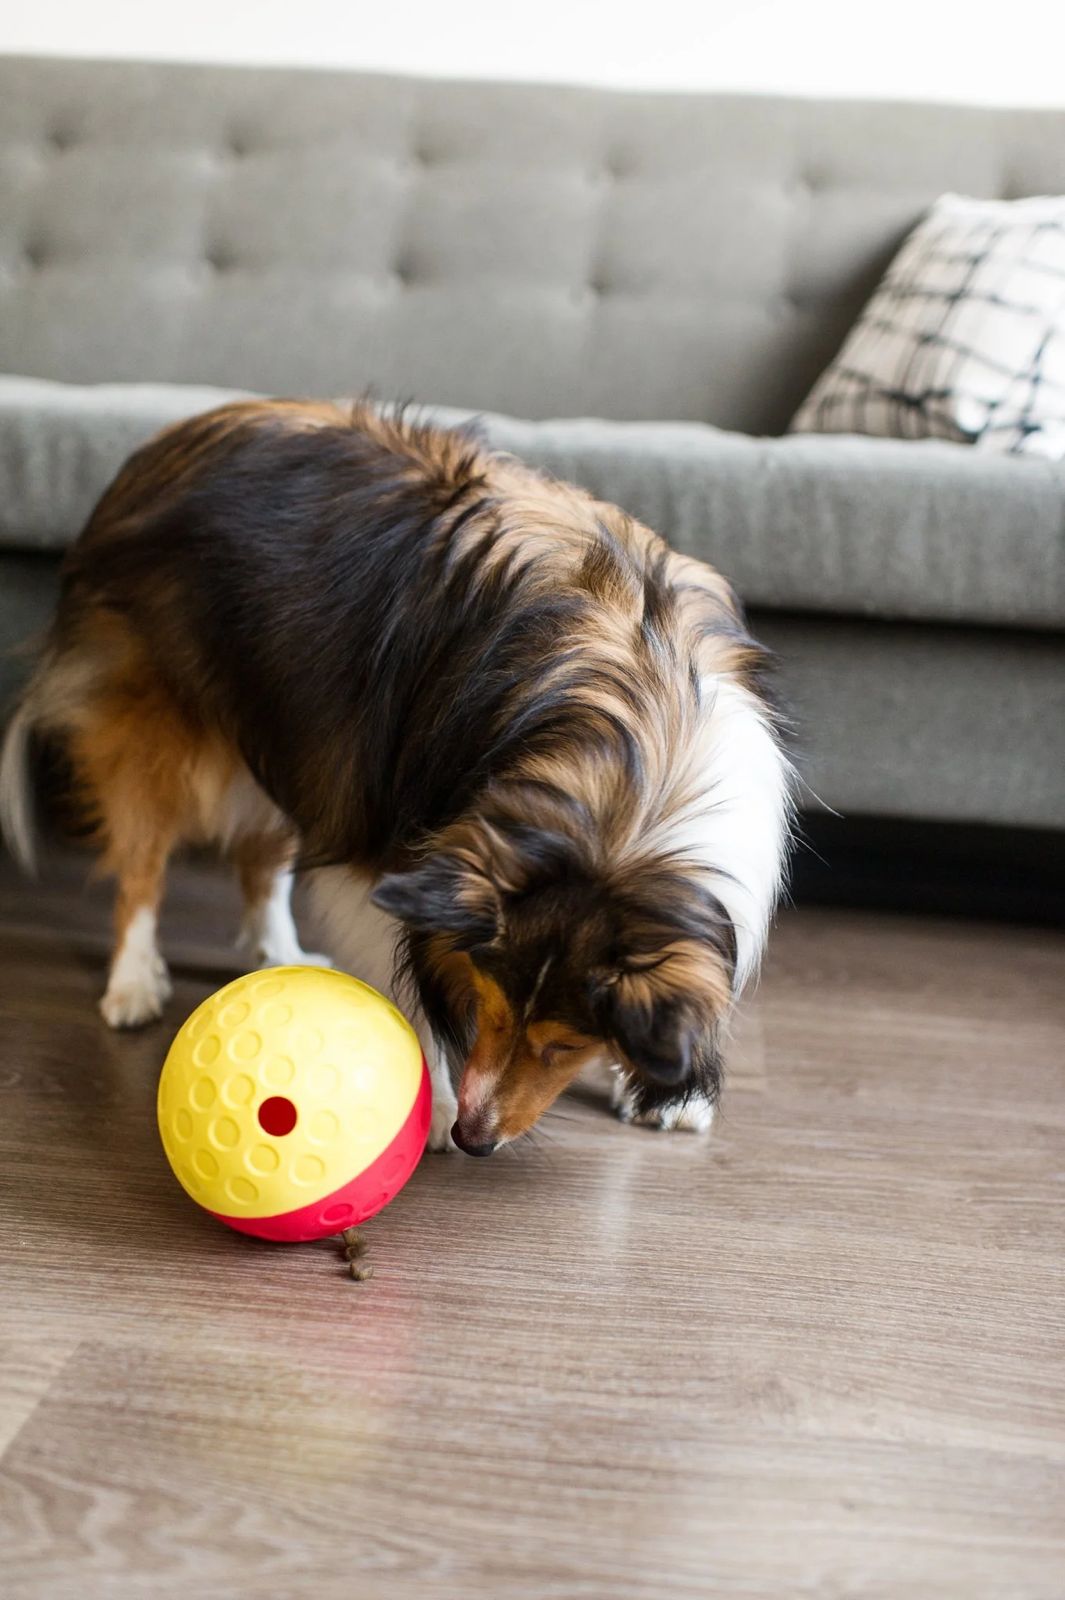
523 749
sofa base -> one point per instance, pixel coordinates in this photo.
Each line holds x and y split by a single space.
904 720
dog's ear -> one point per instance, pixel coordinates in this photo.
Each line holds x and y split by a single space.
663 1011
656 1035
663 986
442 894
462 885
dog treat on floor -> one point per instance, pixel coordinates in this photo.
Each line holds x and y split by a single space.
355 1247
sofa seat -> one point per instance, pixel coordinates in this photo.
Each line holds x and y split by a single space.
901 531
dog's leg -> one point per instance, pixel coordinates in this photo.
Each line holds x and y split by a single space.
138 985
125 776
268 933
363 939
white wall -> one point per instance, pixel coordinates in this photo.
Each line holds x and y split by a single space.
1000 51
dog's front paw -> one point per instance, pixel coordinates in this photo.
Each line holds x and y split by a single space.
133 999
692 1113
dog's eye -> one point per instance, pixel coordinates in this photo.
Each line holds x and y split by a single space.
560 1047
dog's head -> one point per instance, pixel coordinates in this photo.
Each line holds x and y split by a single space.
533 962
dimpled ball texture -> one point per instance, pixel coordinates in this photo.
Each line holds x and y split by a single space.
294 1103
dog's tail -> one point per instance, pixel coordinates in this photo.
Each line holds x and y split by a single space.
18 819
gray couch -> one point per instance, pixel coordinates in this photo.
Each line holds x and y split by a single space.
677 268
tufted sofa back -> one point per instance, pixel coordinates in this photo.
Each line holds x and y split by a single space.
537 250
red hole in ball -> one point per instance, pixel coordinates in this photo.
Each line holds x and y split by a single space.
277 1115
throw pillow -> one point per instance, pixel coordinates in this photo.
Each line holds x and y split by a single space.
965 337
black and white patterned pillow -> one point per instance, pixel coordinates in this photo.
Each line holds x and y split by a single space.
964 338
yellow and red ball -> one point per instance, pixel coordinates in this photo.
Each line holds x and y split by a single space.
294 1103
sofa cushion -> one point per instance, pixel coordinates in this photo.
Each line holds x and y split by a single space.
861 527
62 443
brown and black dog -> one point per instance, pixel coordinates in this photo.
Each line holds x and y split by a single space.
522 745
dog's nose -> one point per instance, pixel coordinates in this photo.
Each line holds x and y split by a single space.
467 1144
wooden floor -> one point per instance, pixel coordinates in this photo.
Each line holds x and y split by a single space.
822 1355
